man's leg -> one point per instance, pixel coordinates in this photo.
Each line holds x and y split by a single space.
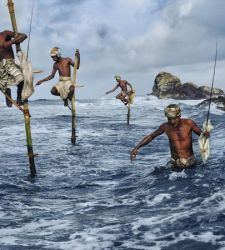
122 98
8 93
71 92
55 92
19 92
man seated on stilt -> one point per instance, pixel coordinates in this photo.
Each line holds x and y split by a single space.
126 90
65 87
10 73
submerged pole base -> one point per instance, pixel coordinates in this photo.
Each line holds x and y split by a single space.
128 116
73 137
33 172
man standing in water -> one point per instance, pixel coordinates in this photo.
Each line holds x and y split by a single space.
10 73
179 132
65 88
125 93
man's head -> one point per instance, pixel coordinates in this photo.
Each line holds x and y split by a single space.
55 53
173 113
118 78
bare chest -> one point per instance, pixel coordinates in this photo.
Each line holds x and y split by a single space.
63 67
180 133
123 85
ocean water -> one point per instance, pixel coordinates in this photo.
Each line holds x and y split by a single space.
91 196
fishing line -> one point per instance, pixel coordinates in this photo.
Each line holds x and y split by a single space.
31 20
210 97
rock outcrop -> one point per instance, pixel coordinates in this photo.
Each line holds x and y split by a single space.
218 101
167 86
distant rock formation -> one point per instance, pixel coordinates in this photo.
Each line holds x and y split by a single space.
167 86
219 101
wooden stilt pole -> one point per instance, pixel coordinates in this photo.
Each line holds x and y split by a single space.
130 101
73 111
73 103
25 106
30 152
128 113
12 101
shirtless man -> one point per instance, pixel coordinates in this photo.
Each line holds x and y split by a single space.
10 73
124 94
65 88
179 132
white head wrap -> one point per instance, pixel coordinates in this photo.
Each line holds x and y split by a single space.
172 111
55 52
117 77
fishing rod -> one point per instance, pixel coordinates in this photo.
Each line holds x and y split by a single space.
203 141
212 84
29 34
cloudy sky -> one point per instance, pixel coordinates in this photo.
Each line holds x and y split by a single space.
134 38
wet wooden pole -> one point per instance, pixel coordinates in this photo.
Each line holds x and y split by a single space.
130 101
25 105
73 102
128 113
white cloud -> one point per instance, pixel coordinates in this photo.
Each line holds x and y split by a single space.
136 38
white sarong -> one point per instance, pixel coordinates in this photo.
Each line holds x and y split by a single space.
63 86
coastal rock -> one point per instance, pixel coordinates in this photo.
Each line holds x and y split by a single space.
215 91
167 86
218 101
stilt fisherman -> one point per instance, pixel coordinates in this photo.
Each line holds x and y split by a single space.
65 87
10 73
126 90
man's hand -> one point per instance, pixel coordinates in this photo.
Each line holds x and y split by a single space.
77 53
38 83
133 154
107 92
206 134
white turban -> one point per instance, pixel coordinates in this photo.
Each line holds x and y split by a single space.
117 77
55 52
172 111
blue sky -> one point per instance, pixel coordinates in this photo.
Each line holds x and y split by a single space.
134 38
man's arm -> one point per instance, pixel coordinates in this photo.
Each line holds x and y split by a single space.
9 35
48 77
112 89
129 85
196 129
78 61
145 141
78 57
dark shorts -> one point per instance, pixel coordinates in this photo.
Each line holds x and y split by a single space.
182 163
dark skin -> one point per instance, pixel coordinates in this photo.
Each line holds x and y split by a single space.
179 132
123 85
7 39
62 65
